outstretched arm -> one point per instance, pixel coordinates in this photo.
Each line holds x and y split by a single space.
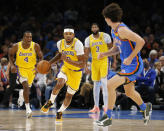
113 51
56 58
80 63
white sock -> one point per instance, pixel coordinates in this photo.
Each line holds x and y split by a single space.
62 108
105 91
96 92
27 106
52 98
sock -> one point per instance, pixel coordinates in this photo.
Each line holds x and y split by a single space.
142 106
52 98
105 91
62 108
109 113
96 92
27 106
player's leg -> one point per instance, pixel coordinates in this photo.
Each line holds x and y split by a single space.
26 92
135 96
61 80
23 79
112 84
105 92
26 89
66 103
96 96
103 74
73 82
60 83
96 86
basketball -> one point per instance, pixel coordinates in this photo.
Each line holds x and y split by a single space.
43 67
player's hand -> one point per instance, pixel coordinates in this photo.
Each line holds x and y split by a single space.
87 71
127 61
100 56
13 69
63 57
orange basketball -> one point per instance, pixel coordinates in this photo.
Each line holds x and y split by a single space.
43 67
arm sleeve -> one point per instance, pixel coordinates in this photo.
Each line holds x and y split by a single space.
79 48
58 45
107 38
87 44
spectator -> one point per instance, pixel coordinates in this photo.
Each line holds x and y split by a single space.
4 81
145 82
159 85
152 58
161 59
85 97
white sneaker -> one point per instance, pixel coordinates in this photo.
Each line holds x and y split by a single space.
29 113
21 98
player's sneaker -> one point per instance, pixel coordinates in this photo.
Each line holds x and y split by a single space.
46 107
146 113
58 117
104 121
29 113
94 110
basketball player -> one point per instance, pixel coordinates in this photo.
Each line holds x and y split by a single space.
95 43
26 52
71 51
128 44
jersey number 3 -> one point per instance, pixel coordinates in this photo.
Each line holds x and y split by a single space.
26 59
97 49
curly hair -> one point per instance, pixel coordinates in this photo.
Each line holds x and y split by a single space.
113 11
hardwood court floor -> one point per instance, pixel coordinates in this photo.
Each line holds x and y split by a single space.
78 120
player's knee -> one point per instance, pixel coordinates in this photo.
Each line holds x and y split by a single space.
60 83
68 96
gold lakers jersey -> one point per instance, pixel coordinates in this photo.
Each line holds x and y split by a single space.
26 58
70 53
97 46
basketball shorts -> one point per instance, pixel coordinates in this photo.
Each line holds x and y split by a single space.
99 69
26 74
131 71
72 78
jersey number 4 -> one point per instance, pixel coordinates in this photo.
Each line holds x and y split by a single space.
26 59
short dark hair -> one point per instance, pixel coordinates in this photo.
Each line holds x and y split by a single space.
68 26
27 32
94 24
113 11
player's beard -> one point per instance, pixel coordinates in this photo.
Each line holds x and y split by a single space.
95 33
69 41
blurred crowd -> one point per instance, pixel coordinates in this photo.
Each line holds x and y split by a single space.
46 20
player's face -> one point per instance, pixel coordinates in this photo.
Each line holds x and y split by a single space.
68 36
95 29
27 37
